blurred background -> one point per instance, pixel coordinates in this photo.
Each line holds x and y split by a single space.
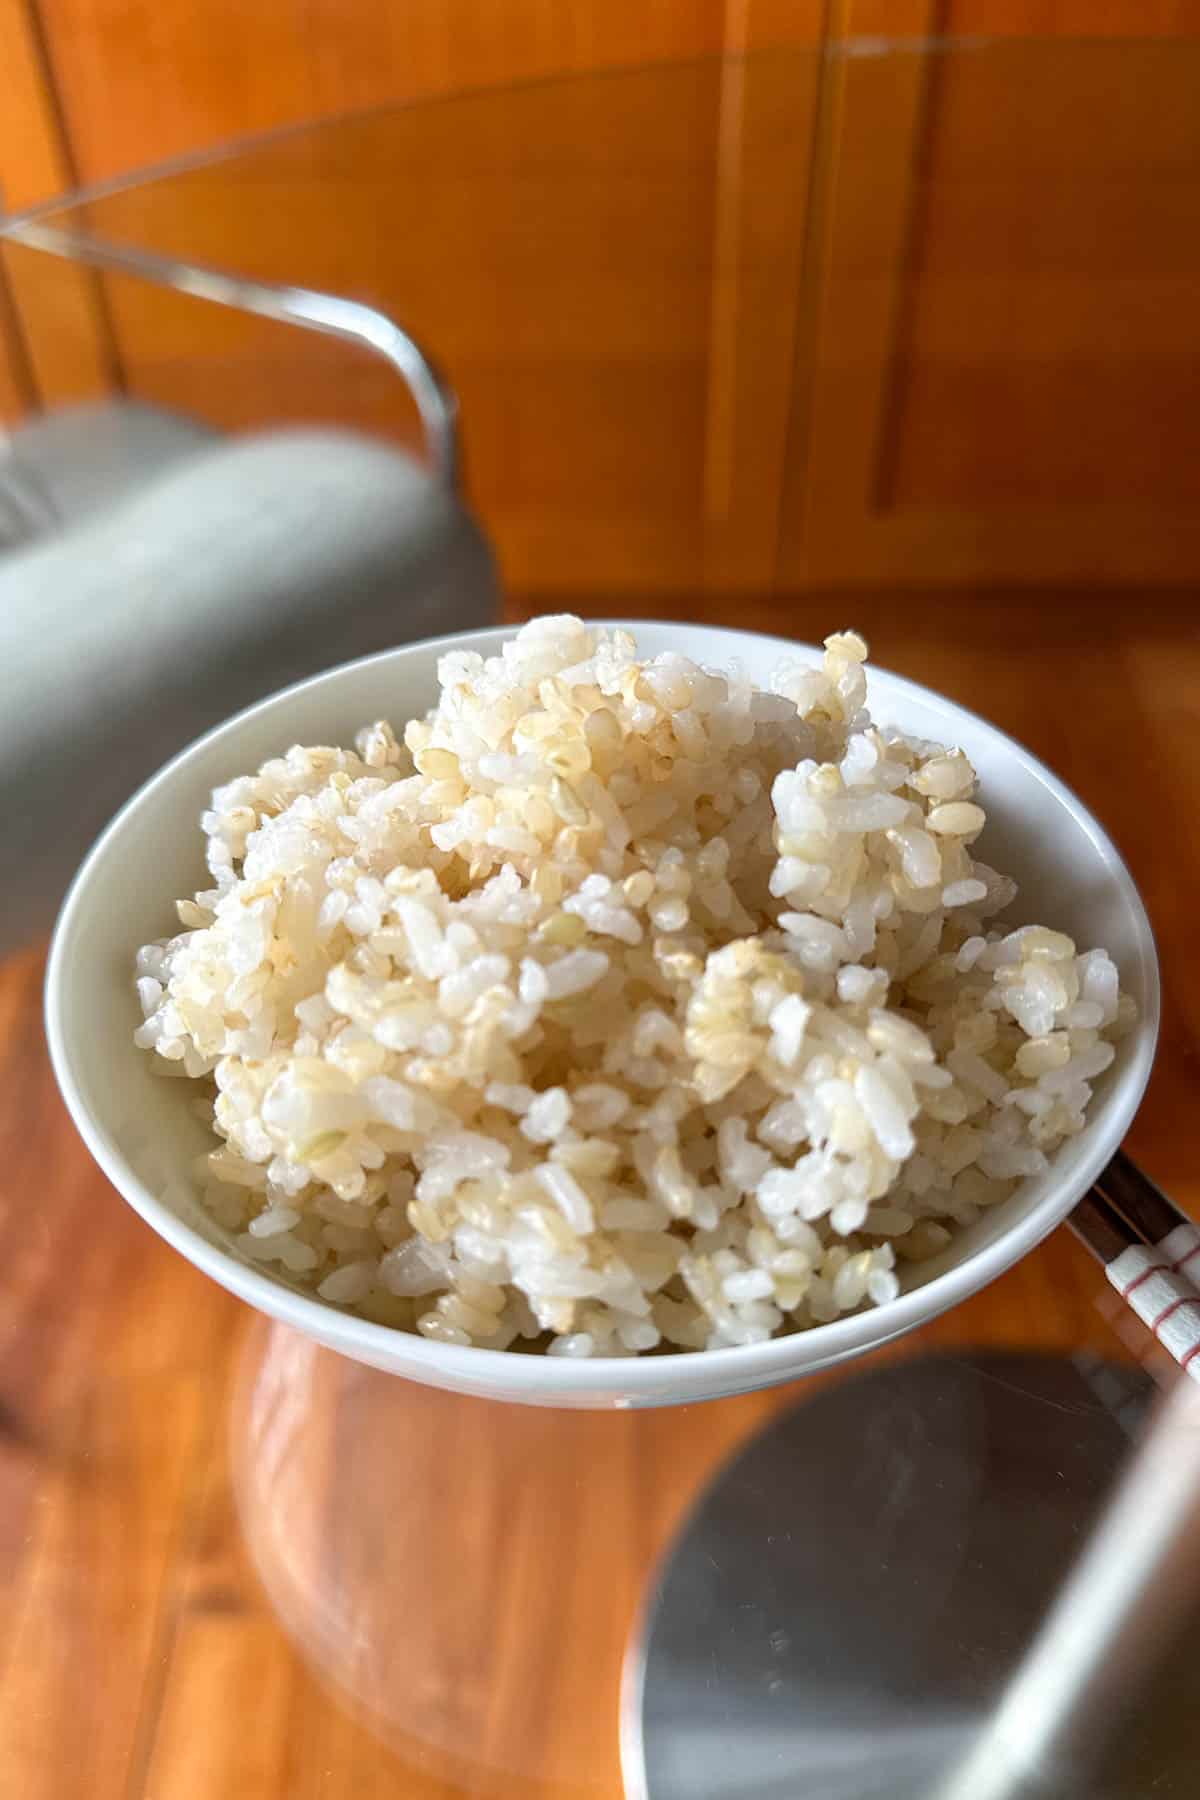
830 317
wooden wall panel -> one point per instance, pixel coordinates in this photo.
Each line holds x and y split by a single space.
1051 344
1071 18
554 252
141 81
15 396
624 421
1004 324
766 143
608 272
147 79
32 155
1035 19
12 400
66 342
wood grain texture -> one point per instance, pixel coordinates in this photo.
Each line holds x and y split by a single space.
59 342
724 324
13 400
142 82
766 143
92 88
996 379
1084 174
1070 18
607 271
231 1564
977 266
16 387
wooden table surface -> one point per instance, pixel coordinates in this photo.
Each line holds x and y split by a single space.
451 1583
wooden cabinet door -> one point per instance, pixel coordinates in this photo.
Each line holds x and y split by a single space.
1000 374
14 392
55 340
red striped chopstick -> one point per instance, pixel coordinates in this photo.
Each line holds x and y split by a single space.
1157 1220
1151 1255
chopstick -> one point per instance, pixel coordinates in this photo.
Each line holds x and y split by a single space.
1136 1579
1151 1277
1156 1219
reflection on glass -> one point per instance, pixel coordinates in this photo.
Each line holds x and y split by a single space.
465 1573
848 1600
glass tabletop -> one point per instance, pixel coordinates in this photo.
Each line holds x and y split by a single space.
903 334
738 320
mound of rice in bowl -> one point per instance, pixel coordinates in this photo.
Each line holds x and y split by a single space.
621 1005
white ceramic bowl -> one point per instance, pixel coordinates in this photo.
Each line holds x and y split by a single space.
139 1128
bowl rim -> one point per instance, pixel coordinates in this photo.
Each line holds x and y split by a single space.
752 1364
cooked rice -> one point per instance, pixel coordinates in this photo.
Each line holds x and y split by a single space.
621 1006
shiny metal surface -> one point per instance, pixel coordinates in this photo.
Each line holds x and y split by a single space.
1121 1609
846 1608
330 314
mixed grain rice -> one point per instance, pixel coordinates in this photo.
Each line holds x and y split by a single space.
621 1005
